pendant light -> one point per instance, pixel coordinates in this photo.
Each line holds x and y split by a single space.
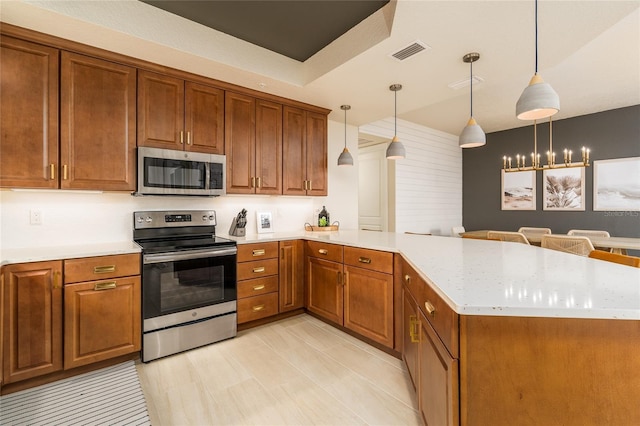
345 158
472 135
395 150
538 100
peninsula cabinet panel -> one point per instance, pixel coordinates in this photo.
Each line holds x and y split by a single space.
291 275
543 371
304 169
102 320
438 373
180 115
410 336
29 119
32 323
368 304
98 119
325 292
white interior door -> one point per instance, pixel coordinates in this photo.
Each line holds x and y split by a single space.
372 188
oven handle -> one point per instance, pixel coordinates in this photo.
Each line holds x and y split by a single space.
187 255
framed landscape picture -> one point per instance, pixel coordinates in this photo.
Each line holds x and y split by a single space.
518 190
616 184
564 189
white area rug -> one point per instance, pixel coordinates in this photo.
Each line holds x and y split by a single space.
110 396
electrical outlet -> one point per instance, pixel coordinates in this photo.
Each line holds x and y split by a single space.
35 217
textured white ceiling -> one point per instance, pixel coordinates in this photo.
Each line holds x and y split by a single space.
589 53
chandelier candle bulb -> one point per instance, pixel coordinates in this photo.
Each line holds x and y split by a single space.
553 158
504 162
509 162
570 156
566 157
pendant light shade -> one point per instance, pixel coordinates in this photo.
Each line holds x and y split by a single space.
345 158
538 100
472 135
395 150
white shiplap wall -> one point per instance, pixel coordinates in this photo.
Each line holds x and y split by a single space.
428 182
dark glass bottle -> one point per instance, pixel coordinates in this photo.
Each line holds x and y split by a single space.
323 217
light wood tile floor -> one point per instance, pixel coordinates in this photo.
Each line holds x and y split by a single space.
297 371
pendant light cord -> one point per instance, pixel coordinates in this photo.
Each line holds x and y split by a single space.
395 113
471 81
345 128
536 20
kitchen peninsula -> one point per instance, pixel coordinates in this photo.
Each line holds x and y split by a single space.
539 336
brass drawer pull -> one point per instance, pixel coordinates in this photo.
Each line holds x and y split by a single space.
258 270
181 137
431 310
407 278
104 269
260 252
188 138
65 172
257 308
105 286
52 170
310 187
258 287
259 182
413 329
339 281
323 251
253 182
56 280
364 260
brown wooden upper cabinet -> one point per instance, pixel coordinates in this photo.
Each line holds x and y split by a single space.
29 120
304 170
96 149
253 145
178 114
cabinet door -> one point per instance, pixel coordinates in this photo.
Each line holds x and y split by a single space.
29 118
268 160
204 118
294 151
316 131
291 275
32 320
325 292
240 142
102 320
368 304
438 395
98 117
410 336
160 111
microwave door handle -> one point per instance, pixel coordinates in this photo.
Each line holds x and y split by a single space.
187 255
207 176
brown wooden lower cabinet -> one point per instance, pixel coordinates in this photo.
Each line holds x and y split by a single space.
291 275
410 336
32 320
257 281
325 292
438 395
102 320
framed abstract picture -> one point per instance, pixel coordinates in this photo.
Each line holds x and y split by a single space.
616 184
518 190
564 189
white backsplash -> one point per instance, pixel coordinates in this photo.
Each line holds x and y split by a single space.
74 217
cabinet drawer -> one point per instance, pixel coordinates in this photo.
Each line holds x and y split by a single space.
373 260
102 267
441 317
333 252
256 307
249 252
412 280
257 287
257 269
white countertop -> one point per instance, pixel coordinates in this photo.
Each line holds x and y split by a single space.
478 277
475 277
40 254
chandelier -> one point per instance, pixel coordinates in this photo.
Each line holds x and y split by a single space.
535 164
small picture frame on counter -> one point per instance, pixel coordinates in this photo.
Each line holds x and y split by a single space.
264 222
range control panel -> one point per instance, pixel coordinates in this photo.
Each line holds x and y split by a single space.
166 219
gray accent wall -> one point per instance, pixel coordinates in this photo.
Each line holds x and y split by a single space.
609 134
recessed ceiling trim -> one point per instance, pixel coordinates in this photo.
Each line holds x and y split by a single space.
410 50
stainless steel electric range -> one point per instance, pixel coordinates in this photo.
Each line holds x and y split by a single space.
188 281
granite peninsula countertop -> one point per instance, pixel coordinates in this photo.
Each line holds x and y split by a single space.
475 277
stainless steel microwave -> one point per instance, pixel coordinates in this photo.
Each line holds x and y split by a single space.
171 172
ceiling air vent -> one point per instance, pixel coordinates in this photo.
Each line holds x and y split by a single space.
410 50
456 85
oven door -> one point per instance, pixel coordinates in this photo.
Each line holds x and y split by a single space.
187 280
